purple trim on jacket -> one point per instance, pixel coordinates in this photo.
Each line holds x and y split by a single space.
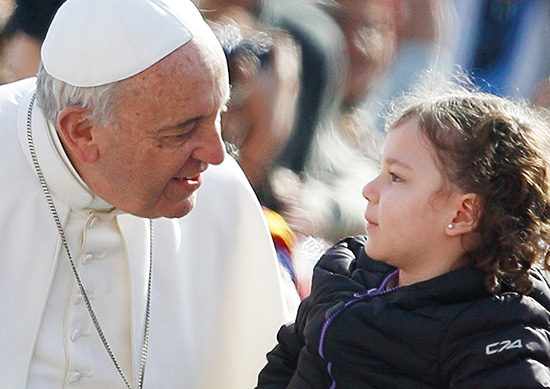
340 307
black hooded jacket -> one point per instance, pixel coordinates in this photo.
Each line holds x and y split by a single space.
447 332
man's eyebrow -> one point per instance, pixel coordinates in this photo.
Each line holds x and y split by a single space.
182 124
193 119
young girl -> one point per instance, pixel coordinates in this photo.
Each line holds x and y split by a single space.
449 290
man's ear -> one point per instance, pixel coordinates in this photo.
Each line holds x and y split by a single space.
467 215
76 133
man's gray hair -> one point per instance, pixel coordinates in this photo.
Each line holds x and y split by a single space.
54 95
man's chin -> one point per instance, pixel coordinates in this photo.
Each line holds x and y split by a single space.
182 209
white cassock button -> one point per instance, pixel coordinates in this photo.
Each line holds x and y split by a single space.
87 259
79 299
92 221
74 376
75 335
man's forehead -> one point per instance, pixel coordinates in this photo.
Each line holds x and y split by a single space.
183 85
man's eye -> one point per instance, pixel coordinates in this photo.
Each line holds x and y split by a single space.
177 138
174 140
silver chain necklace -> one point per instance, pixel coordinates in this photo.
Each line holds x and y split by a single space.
77 276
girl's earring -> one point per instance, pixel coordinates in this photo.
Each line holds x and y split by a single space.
451 226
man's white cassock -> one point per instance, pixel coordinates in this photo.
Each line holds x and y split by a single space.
216 297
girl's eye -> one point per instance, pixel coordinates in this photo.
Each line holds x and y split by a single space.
395 178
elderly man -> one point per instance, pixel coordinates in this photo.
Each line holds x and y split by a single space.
119 129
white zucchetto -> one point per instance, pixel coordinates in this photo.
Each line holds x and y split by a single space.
96 42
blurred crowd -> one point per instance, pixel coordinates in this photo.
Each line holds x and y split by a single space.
310 82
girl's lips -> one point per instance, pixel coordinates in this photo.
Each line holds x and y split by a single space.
370 225
369 221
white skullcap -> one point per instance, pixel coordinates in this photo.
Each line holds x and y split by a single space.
96 42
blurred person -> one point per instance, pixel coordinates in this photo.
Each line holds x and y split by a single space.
451 286
423 43
23 35
263 115
324 200
323 65
369 28
389 45
504 44
324 68
128 258
264 71
6 9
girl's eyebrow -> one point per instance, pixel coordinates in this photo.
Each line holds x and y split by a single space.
391 161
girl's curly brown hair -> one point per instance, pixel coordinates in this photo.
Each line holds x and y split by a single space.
497 149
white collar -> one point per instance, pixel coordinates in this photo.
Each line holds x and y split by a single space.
61 177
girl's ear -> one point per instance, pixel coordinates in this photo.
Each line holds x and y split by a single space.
76 131
467 215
